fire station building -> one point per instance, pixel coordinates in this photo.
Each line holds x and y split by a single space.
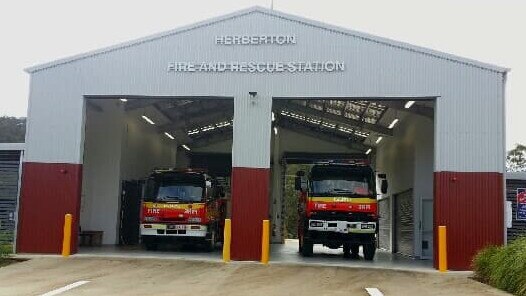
245 96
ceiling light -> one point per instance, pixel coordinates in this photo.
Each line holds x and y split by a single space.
368 151
169 136
148 119
185 147
409 104
124 100
273 117
275 130
393 123
379 139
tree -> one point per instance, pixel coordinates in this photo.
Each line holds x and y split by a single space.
12 129
291 200
516 159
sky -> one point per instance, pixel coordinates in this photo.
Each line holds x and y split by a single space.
491 31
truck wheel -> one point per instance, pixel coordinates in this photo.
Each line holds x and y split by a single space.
150 245
211 244
306 250
355 249
369 251
346 251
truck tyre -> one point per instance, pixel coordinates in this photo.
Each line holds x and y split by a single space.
307 248
210 244
150 244
369 251
346 251
355 249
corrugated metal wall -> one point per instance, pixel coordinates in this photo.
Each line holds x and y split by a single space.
252 131
250 195
404 223
384 221
518 228
50 191
250 173
9 173
469 118
470 205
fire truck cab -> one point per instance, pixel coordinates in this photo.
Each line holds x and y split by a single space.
182 206
338 207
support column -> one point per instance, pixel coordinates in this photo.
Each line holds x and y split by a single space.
250 173
276 208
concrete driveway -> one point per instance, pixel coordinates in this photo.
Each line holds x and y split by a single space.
105 276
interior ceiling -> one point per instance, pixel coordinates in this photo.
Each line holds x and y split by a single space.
354 123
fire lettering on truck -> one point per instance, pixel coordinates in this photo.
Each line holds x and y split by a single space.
364 207
190 211
320 206
153 211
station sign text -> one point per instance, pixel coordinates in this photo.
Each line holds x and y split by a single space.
324 66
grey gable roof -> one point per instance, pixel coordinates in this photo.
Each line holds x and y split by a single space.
281 15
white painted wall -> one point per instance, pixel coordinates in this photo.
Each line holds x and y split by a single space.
102 170
407 159
119 147
291 141
144 148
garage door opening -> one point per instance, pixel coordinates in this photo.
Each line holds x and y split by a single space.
126 139
395 137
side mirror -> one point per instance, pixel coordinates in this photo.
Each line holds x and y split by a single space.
383 186
298 180
221 190
300 183
208 184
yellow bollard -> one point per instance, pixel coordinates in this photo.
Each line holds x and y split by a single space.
442 249
265 242
66 241
227 237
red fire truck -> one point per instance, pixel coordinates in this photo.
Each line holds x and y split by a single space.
182 206
338 207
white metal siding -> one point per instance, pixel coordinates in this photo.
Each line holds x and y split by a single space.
469 120
252 128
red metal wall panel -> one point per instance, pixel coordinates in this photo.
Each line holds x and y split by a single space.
49 191
250 204
471 205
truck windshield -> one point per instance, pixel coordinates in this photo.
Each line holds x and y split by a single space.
340 181
340 187
173 188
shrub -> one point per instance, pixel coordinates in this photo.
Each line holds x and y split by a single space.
6 248
482 263
503 267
